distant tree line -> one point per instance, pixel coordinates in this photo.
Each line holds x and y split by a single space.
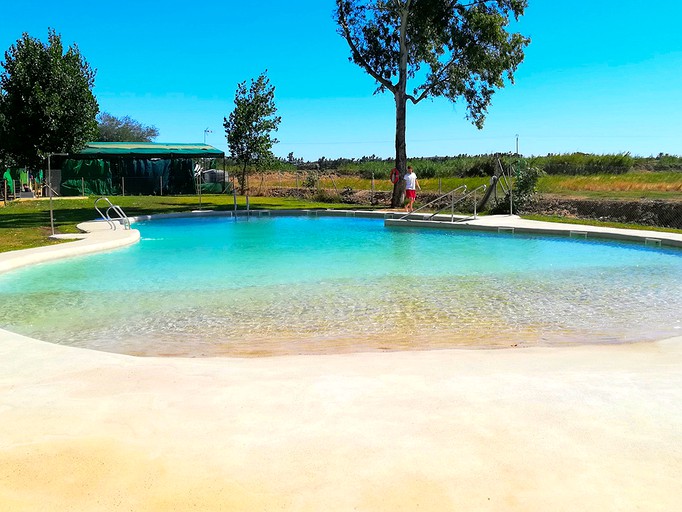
485 165
125 129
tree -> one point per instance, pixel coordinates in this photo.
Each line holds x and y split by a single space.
125 129
454 49
46 100
249 125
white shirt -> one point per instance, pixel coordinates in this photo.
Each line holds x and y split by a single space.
411 179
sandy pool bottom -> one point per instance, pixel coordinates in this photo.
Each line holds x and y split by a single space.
588 428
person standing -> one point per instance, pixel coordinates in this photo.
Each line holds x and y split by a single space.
411 187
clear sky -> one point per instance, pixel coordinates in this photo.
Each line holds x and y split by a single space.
599 77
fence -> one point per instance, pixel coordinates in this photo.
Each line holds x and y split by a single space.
658 206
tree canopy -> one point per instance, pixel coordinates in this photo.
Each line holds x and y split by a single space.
124 129
249 126
459 50
46 100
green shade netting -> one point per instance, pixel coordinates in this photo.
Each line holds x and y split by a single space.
88 177
130 176
144 176
216 188
10 182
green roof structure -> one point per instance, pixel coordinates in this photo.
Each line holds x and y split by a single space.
147 150
138 168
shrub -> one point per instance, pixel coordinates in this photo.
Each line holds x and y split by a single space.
582 163
524 189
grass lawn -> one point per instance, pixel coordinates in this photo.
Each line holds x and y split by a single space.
634 185
26 224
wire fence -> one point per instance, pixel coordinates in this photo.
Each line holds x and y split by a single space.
654 205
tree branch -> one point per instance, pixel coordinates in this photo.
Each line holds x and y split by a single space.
438 80
359 59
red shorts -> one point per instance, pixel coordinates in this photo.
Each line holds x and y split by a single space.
411 194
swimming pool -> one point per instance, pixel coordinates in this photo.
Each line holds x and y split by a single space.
215 286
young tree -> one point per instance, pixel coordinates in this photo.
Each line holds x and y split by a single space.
454 49
249 125
46 100
125 129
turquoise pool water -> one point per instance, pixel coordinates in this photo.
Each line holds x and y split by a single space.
215 286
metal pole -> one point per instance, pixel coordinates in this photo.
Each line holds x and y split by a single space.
234 195
511 195
452 207
123 185
199 179
160 185
474 203
49 182
83 187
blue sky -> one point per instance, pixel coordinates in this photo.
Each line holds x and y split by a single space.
599 77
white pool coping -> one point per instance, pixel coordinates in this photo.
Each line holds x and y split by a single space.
529 429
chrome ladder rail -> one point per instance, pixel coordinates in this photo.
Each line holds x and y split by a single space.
120 218
462 188
451 205
462 199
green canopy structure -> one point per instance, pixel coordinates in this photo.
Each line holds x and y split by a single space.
148 150
146 168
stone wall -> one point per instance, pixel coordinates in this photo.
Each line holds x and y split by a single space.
644 211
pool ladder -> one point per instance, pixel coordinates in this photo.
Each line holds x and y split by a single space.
118 218
456 196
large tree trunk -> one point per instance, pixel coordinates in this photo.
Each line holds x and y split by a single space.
400 94
242 182
398 197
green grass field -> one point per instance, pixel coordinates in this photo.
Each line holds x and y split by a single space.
26 224
632 185
650 185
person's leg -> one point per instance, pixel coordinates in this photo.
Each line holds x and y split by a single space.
410 196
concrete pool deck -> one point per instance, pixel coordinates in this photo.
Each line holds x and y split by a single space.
588 428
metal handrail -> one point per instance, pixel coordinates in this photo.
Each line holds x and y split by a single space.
464 197
452 203
452 193
120 214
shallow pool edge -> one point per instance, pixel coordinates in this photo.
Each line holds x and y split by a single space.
97 236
